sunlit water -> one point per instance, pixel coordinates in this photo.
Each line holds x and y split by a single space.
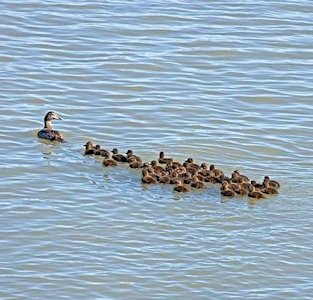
224 82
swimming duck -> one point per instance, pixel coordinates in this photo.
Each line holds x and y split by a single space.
101 152
239 178
180 187
165 179
132 156
272 183
108 162
241 190
89 148
255 193
197 184
47 132
268 189
147 178
228 193
216 172
164 160
226 190
118 157
256 185
134 163
157 169
189 162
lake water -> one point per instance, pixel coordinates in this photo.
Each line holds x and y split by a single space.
224 82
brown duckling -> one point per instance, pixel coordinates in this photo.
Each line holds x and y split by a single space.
256 185
241 190
190 163
255 193
147 178
228 193
270 190
174 177
180 187
89 148
108 162
216 172
204 170
197 184
271 182
117 156
134 163
165 179
164 160
132 156
226 190
186 178
239 178
102 152
157 169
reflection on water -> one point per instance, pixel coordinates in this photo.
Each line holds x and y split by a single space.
224 83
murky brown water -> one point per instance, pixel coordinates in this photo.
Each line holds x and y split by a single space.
223 82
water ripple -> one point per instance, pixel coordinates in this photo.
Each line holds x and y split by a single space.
224 83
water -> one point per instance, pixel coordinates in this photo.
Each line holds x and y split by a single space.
223 82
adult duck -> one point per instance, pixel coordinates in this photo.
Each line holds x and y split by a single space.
47 132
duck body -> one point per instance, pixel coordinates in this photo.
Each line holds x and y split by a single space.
255 193
197 184
228 193
148 178
90 150
108 162
47 133
135 164
180 188
268 189
101 152
118 157
272 183
131 156
164 160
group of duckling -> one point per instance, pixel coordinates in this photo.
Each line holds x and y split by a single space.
164 170
187 175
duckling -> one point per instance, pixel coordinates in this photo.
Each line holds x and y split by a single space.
147 178
132 156
228 193
134 163
240 190
187 179
238 178
196 183
226 190
255 193
47 132
164 160
108 162
189 162
89 148
118 157
256 185
180 187
270 190
156 168
216 172
204 169
165 179
272 183
174 177
101 152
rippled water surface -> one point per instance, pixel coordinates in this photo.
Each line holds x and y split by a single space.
224 82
